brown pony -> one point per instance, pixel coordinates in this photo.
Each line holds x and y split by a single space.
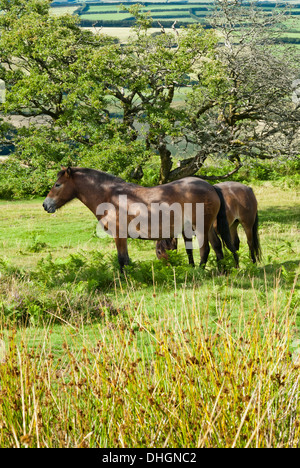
102 193
241 208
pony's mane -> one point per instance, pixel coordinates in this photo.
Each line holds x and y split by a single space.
94 174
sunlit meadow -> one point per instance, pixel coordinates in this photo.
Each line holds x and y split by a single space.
164 356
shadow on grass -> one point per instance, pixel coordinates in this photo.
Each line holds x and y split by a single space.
165 275
286 216
84 285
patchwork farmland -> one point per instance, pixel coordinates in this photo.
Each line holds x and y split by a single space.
110 15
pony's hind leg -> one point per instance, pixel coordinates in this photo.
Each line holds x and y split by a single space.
216 243
251 230
123 256
204 252
189 249
248 231
234 235
217 246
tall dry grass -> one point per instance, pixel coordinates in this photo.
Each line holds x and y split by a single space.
180 383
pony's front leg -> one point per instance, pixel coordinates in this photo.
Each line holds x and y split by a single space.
123 256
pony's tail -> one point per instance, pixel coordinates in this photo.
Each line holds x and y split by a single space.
223 226
255 239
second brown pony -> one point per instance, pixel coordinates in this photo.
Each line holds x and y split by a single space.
241 208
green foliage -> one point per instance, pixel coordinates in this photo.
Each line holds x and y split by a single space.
143 19
93 271
143 274
275 169
20 181
37 245
45 60
284 171
115 157
90 101
66 289
74 82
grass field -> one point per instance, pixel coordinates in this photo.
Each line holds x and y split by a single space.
66 10
108 16
166 355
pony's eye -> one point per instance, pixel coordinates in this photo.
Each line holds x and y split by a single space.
57 185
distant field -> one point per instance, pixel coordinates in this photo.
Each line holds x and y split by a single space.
291 34
110 16
64 10
160 9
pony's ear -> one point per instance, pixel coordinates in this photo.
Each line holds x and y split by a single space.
69 172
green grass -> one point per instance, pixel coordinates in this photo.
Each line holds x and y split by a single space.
166 355
295 35
100 8
46 256
31 225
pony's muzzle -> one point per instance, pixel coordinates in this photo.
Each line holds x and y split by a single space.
49 205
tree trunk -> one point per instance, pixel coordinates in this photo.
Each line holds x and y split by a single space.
166 163
187 167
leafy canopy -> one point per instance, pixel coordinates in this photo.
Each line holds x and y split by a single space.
167 100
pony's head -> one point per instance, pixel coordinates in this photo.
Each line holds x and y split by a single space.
162 246
62 191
